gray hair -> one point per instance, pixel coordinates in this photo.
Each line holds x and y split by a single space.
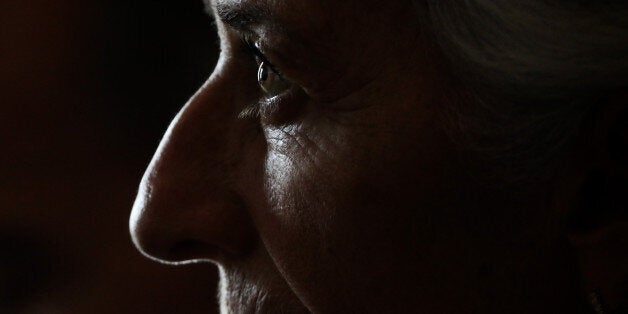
535 69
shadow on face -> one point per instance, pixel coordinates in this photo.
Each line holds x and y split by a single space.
319 168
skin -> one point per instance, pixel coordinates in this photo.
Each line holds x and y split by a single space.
345 194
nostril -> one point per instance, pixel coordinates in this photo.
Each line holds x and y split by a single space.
149 245
150 240
171 246
191 251
172 224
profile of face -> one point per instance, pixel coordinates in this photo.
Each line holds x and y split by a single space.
317 169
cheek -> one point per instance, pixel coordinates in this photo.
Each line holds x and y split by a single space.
296 174
301 226
329 190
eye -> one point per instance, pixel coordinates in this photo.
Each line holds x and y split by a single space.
271 82
269 79
278 98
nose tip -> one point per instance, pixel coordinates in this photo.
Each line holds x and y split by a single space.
177 233
145 237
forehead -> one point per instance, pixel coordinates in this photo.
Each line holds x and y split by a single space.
270 6
321 23
318 26
311 16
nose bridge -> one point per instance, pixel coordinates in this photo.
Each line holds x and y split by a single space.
187 207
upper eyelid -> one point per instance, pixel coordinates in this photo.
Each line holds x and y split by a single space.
253 49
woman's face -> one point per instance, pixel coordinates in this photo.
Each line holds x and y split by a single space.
322 179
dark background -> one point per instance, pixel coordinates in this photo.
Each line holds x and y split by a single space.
87 88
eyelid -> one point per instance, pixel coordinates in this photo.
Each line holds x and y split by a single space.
264 52
252 48
270 110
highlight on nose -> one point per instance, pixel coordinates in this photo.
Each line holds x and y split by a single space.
140 234
172 227
159 238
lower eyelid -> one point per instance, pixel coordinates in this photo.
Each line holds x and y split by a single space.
266 109
283 108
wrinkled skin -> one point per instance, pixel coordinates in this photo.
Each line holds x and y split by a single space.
345 195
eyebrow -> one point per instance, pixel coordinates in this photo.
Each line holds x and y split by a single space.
238 15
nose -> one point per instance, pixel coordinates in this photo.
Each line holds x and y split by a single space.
189 206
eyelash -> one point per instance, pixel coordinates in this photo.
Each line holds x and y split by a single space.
255 110
251 48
